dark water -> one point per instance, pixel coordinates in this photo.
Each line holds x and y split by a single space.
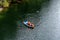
47 26
46 21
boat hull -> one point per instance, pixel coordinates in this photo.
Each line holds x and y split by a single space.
26 24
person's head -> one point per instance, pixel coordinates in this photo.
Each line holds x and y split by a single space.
29 23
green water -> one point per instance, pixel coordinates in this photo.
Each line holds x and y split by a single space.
8 26
8 19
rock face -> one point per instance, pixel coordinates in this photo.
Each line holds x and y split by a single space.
1 9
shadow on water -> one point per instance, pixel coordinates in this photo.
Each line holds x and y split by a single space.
8 24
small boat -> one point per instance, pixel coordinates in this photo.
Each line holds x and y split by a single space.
28 24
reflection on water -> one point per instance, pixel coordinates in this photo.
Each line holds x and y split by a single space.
8 26
7 29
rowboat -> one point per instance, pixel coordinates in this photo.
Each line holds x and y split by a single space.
28 24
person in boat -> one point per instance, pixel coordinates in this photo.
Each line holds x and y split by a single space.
29 24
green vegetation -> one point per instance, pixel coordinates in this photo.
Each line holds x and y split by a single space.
5 3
